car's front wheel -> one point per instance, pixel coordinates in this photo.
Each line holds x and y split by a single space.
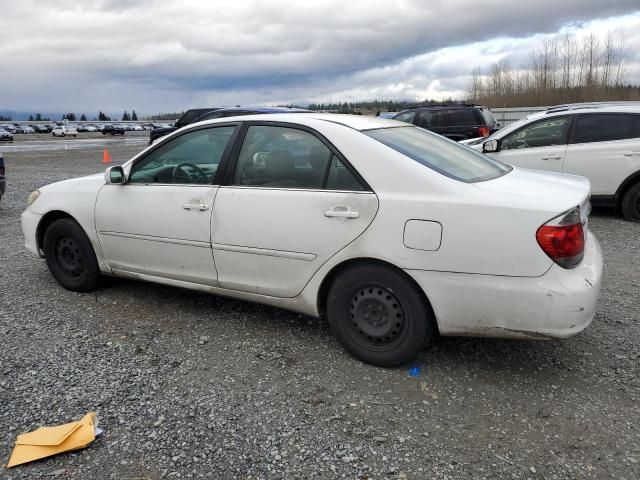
379 315
630 205
70 256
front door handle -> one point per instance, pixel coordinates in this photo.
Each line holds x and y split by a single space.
196 206
630 154
552 157
341 212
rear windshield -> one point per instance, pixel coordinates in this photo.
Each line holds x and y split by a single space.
488 117
440 154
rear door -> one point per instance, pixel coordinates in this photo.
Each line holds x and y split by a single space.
540 145
289 203
463 123
605 148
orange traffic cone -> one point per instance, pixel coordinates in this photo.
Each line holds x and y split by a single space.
106 158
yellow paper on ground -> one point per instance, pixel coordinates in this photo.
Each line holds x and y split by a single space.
47 441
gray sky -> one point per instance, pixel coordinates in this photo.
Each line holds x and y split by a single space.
156 55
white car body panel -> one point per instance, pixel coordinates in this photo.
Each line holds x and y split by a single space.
607 164
142 239
263 253
276 246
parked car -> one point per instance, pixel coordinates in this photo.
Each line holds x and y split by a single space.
601 143
5 135
3 180
113 129
90 128
455 121
65 131
18 128
136 127
49 127
27 129
160 130
223 113
453 241
9 128
386 114
40 128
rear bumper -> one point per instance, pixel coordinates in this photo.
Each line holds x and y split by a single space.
30 221
559 304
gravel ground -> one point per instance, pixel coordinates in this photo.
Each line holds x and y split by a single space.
188 385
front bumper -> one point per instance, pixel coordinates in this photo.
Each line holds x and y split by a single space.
559 304
30 221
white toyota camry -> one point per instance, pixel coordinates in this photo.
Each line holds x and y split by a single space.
391 231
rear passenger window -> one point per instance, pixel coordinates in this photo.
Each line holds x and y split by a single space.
281 157
461 116
606 127
405 117
340 178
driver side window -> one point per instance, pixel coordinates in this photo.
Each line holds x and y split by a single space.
192 158
552 131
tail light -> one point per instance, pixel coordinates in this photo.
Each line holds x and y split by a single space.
562 238
483 131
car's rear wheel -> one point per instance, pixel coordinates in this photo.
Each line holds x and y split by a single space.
70 256
630 204
379 315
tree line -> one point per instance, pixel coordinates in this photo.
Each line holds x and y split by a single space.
101 117
562 69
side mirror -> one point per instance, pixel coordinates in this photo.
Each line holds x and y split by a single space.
491 146
114 175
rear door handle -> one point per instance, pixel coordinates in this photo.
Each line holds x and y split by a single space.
195 206
630 154
552 157
341 212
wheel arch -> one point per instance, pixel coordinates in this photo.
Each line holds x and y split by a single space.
336 270
628 182
47 219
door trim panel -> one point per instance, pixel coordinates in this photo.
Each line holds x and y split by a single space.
308 257
178 241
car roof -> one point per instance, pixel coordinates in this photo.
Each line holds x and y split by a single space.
446 105
356 122
262 109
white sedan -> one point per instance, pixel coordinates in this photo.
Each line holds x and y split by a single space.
391 231
64 131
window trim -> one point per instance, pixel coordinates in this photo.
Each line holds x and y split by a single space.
574 127
217 178
231 165
566 135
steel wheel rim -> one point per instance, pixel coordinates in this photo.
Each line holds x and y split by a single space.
68 256
376 317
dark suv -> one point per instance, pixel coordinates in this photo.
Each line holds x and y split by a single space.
456 121
185 119
201 114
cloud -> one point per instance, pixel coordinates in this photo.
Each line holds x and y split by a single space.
158 56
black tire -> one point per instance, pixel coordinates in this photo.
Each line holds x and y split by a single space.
70 256
379 315
630 204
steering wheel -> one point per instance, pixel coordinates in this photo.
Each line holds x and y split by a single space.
180 175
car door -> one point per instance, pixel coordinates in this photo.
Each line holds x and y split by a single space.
289 204
540 145
159 222
605 148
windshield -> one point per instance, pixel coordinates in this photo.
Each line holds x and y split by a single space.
440 154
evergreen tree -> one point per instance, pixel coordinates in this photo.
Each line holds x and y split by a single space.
125 116
83 118
38 117
31 118
134 116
